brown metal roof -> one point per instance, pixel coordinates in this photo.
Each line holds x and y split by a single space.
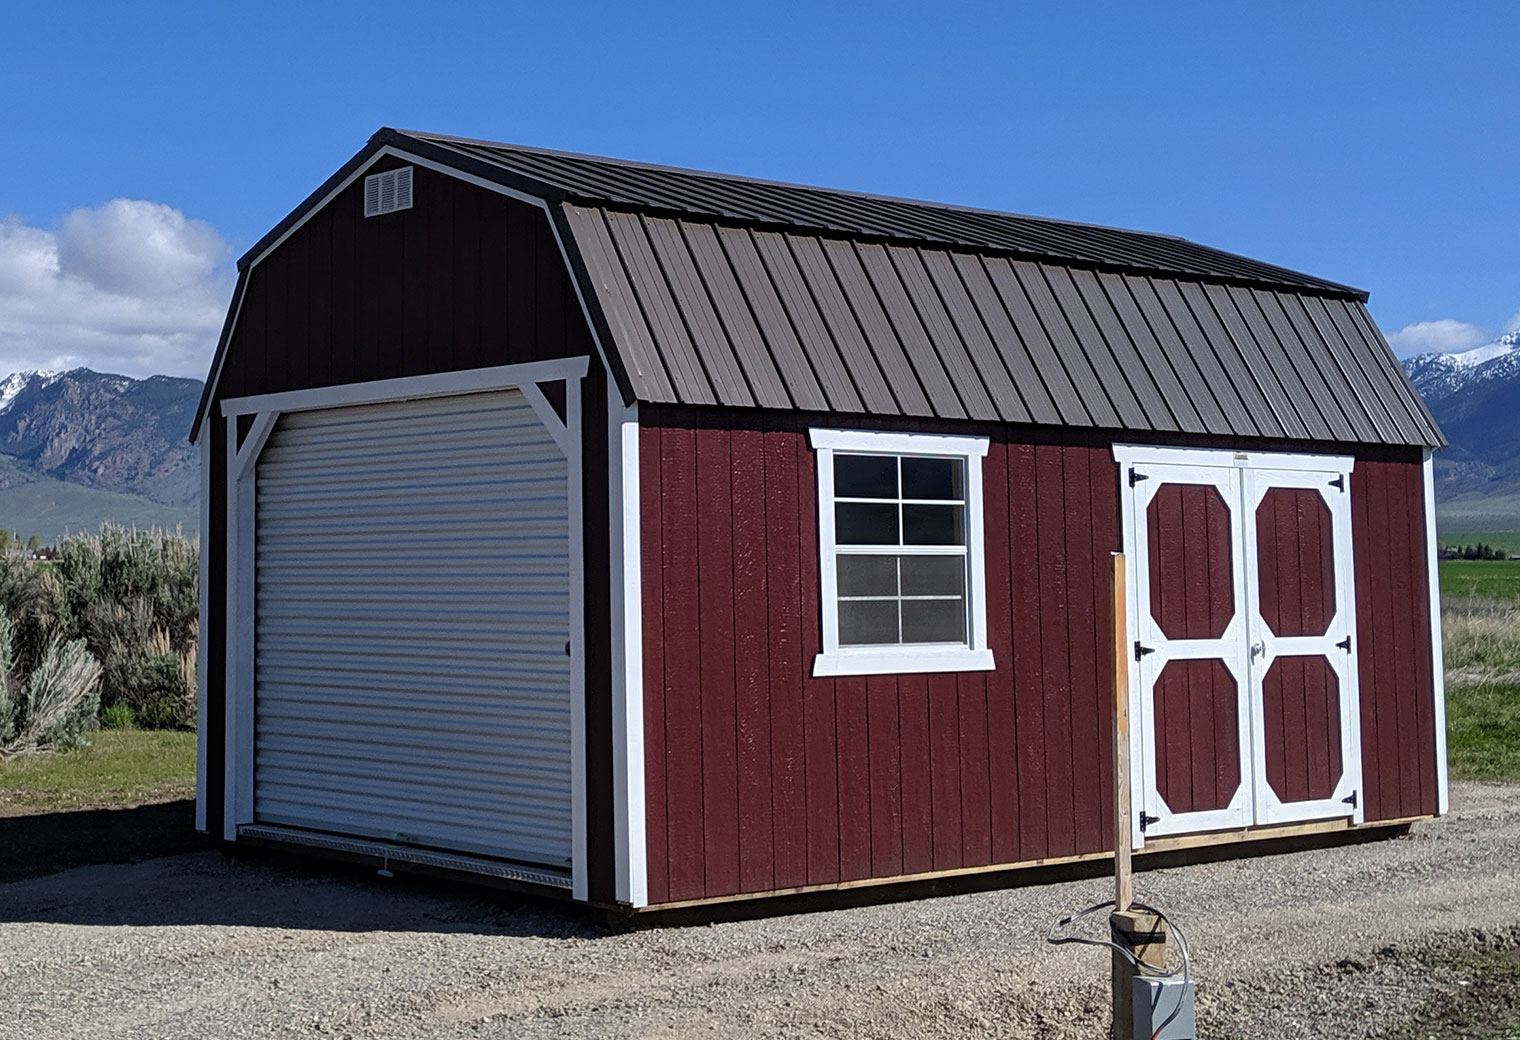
709 289
644 187
706 313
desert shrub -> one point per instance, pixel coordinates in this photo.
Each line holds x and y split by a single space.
132 597
51 705
116 716
38 605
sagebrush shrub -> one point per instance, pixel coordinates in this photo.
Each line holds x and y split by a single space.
132 597
55 703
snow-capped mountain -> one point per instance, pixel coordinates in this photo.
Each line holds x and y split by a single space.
1442 375
1475 396
80 447
14 385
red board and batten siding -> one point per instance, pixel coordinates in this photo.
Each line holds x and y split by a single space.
1393 629
760 777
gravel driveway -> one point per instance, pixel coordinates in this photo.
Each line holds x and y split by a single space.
1313 944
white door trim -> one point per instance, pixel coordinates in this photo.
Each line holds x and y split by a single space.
241 533
408 388
1208 465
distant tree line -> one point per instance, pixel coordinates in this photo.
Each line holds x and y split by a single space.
1480 551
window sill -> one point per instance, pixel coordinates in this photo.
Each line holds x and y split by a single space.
901 661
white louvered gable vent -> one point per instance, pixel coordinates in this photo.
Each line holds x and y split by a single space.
387 192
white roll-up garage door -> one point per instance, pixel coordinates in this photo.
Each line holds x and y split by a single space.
412 682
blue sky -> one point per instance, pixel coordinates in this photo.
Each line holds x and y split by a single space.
1372 143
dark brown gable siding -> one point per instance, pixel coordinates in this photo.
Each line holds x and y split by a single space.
760 777
466 278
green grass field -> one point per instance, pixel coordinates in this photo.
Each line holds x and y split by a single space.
1499 579
1480 623
120 767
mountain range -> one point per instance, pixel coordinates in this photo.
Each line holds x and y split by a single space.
79 448
1475 396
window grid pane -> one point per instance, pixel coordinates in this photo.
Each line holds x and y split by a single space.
926 496
919 617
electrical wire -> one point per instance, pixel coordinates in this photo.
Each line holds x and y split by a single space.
1141 967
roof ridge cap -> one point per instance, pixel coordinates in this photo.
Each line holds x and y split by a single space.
770 182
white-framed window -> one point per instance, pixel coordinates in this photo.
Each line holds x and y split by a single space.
901 553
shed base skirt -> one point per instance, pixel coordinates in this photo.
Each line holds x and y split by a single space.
404 854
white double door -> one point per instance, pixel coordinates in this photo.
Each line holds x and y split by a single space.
1241 618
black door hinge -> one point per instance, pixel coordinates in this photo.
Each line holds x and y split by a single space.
1141 651
1345 644
1146 820
1339 483
1136 477
1350 799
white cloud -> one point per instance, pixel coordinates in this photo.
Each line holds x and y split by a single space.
1443 336
1513 323
132 287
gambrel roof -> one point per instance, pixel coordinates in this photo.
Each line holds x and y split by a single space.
709 289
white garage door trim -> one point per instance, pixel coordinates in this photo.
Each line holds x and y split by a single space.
241 512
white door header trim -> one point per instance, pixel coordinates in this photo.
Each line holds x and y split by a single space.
438 384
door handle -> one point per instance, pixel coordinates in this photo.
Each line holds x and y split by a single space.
1258 649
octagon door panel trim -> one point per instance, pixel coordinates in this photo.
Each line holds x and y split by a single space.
1279 626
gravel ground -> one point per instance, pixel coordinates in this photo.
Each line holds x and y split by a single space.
1320 944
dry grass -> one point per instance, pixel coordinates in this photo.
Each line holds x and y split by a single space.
1482 650
1482 640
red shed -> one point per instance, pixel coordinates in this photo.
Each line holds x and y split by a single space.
663 537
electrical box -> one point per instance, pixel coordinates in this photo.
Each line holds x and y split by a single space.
1156 1001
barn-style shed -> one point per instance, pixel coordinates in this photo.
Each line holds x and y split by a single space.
661 536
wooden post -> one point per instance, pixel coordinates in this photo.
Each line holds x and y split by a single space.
1123 811
1122 971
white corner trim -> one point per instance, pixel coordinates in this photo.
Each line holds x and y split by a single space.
203 650
1437 652
408 388
973 656
630 837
